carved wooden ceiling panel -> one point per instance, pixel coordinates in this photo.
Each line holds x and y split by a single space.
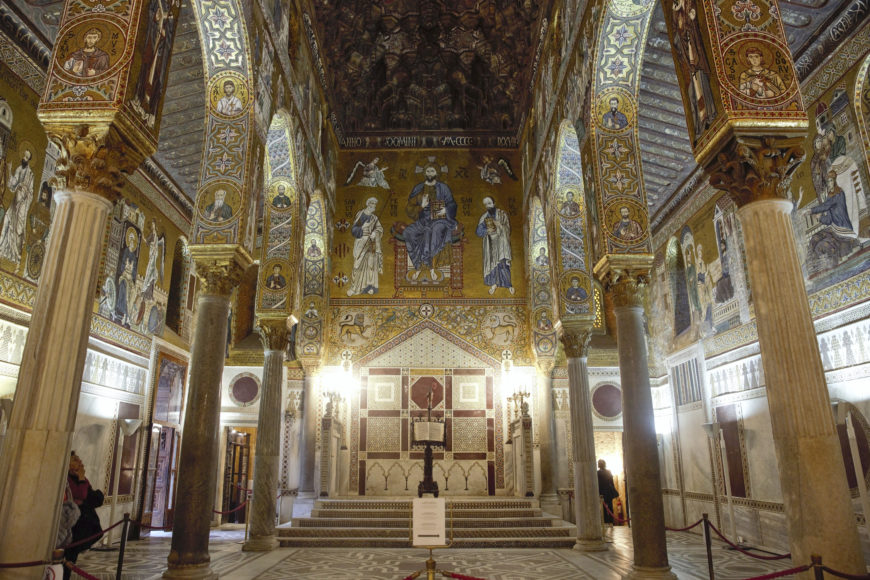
434 66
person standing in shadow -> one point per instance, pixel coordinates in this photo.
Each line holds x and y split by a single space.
606 489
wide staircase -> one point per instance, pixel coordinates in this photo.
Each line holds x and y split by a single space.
386 523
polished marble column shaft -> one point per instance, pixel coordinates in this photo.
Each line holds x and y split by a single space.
197 473
587 505
817 502
35 456
547 437
261 537
642 470
307 448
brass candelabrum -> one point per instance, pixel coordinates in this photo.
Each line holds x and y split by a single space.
521 407
333 399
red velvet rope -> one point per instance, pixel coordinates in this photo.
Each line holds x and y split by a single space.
457 576
414 575
742 551
686 529
615 517
79 571
235 509
94 537
782 573
844 575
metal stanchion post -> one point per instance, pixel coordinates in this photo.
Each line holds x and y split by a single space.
124 530
817 567
708 545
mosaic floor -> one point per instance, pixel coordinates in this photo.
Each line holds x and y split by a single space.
146 559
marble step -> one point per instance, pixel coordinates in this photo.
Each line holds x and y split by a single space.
406 513
460 533
376 542
456 504
501 522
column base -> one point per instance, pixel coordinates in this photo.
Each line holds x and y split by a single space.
261 544
642 573
201 572
550 504
591 546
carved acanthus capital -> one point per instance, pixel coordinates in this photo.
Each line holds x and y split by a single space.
274 332
756 168
545 366
625 278
576 343
92 160
219 267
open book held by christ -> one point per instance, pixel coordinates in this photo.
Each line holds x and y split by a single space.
436 207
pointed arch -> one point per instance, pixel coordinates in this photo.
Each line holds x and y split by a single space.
571 263
676 271
282 225
228 168
619 184
176 313
861 98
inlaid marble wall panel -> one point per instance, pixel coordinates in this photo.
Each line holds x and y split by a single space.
385 460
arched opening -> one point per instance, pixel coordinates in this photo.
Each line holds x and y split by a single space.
676 269
178 282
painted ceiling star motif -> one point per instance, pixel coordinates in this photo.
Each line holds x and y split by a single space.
619 180
616 149
219 18
225 51
622 35
227 135
223 163
616 67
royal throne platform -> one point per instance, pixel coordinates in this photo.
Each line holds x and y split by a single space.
447 265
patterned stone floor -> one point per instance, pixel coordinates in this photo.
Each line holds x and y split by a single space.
146 559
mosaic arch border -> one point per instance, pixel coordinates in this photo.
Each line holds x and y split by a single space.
569 205
229 125
281 223
862 86
314 302
541 320
620 49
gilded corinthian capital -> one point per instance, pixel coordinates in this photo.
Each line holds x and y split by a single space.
219 267
274 333
756 168
92 159
576 343
625 278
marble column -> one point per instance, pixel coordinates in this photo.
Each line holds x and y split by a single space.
757 171
275 336
308 444
626 278
547 437
587 505
35 456
219 269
